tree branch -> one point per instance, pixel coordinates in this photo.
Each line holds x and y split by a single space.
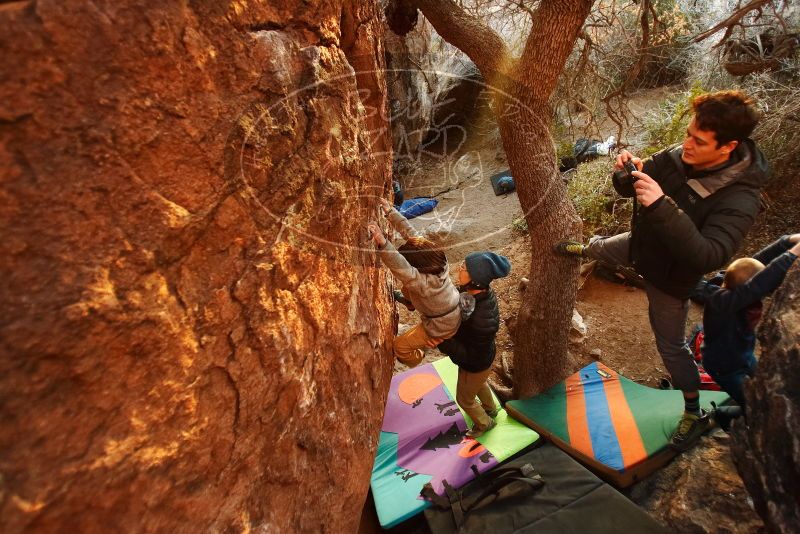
467 33
732 20
546 49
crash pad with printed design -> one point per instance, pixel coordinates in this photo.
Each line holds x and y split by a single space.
422 440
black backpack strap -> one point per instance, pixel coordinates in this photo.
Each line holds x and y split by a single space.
525 474
497 479
451 502
436 499
455 503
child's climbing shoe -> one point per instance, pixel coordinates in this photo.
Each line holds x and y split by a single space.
414 360
689 430
493 412
569 248
476 432
399 297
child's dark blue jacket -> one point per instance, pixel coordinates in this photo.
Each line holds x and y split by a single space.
730 315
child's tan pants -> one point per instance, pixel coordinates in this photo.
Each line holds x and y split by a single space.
469 386
408 345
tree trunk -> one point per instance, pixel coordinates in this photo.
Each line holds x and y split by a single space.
522 89
541 355
767 448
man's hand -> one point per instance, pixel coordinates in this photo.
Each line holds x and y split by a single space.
794 239
376 234
624 156
647 189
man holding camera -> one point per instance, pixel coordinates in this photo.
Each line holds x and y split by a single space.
696 202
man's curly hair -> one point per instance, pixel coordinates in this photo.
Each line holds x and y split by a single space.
731 115
424 255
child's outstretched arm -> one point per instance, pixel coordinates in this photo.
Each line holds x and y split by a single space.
776 248
391 258
758 287
397 220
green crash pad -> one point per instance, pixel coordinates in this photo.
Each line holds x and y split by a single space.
616 427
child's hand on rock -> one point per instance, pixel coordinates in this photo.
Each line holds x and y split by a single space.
376 234
385 206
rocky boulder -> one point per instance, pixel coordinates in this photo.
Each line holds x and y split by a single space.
194 331
767 448
700 491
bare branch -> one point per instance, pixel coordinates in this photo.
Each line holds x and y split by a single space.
467 33
731 21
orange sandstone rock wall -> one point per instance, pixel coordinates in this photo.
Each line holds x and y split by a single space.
192 335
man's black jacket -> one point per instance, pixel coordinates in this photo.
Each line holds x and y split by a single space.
700 222
472 348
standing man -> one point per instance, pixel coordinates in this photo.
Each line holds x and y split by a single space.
697 201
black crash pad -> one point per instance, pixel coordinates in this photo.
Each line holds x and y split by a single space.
572 500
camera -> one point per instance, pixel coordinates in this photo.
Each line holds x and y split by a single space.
623 176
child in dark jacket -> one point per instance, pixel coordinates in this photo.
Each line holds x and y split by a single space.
733 309
472 348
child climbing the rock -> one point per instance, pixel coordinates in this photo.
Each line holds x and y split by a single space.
732 311
422 268
472 348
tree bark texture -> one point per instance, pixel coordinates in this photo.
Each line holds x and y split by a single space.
193 335
766 447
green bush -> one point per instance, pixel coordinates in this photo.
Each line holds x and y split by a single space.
603 211
519 225
666 126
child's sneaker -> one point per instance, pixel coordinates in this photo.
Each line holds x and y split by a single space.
689 430
569 248
476 432
414 360
493 412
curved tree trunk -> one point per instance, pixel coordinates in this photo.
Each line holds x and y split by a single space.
767 448
522 89
541 335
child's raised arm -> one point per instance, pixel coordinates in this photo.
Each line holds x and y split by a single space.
397 220
776 248
396 263
759 286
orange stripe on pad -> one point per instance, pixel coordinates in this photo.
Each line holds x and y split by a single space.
630 441
577 425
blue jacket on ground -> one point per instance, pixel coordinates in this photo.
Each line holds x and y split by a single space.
730 315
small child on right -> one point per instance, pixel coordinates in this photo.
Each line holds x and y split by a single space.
733 309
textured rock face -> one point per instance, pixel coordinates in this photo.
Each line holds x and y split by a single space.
700 491
191 338
767 449
433 86
411 83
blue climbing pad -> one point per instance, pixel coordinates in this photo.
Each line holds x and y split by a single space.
417 206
